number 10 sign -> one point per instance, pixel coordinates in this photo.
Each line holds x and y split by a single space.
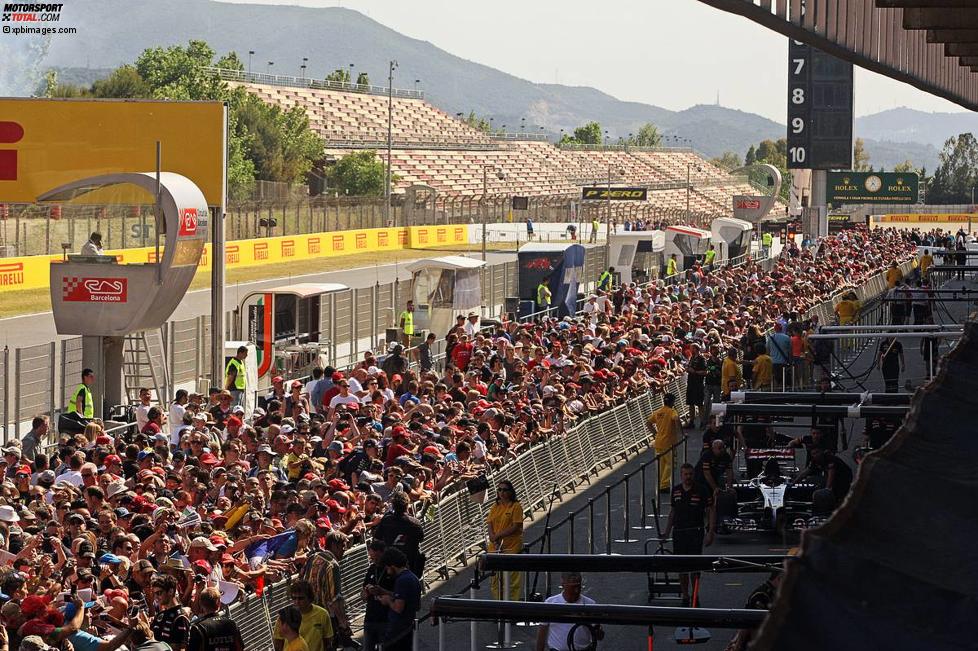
820 111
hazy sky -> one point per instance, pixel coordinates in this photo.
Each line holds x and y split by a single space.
672 53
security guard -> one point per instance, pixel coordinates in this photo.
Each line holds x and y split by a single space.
767 240
235 376
671 267
212 631
82 403
543 297
711 255
407 323
606 278
595 225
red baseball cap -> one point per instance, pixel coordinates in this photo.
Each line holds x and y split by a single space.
112 458
208 459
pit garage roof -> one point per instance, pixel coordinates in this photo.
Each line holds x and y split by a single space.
930 44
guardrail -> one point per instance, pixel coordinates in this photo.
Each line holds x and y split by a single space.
456 530
306 82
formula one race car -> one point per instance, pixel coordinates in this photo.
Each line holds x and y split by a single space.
770 502
754 459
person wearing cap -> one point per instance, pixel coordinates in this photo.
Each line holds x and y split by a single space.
236 376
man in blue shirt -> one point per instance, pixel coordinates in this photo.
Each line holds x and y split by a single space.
403 601
779 348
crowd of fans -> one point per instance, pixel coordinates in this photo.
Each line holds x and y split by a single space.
203 495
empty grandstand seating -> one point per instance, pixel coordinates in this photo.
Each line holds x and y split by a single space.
432 148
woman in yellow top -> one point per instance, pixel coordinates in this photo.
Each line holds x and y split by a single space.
848 309
505 523
926 260
731 376
664 421
893 274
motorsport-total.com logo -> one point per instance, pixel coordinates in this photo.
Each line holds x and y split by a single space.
31 13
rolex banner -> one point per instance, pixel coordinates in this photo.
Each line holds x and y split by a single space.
871 187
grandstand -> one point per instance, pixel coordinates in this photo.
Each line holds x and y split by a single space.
433 148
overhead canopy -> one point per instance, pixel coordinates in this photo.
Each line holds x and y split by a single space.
894 568
689 230
546 247
930 44
658 238
455 262
304 290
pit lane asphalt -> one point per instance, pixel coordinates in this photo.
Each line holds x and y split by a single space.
726 590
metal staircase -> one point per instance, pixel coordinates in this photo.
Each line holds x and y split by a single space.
144 365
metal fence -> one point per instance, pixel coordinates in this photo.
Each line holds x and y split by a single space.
455 529
41 229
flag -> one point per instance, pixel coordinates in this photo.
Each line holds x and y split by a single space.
283 545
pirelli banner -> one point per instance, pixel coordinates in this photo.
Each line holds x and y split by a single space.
594 192
32 272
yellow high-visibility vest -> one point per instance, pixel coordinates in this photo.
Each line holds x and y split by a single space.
89 408
239 373
408 318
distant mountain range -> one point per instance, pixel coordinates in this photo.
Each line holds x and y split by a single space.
116 31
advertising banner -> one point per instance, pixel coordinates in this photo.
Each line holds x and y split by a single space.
32 272
871 187
589 193
47 143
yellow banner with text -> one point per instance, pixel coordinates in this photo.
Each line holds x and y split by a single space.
929 218
32 272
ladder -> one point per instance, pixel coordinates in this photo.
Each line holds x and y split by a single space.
144 365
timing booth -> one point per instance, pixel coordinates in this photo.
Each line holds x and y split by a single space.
637 255
688 243
103 300
731 237
284 324
563 264
443 288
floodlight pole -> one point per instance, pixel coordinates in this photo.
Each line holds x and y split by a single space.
390 135
607 235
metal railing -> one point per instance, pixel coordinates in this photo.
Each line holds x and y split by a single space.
455 528
305 82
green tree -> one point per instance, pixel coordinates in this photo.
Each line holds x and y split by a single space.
360 173
54 89
860 158
340 75
648 136
474 121
124 82
177 72
230 61
363 79
751 156
589 134
728 161
957 172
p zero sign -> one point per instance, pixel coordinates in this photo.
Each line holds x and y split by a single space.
95 290
617 194
820 113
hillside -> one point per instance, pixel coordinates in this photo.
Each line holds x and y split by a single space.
118 30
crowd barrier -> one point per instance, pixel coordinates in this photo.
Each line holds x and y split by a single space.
32 272
455 527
